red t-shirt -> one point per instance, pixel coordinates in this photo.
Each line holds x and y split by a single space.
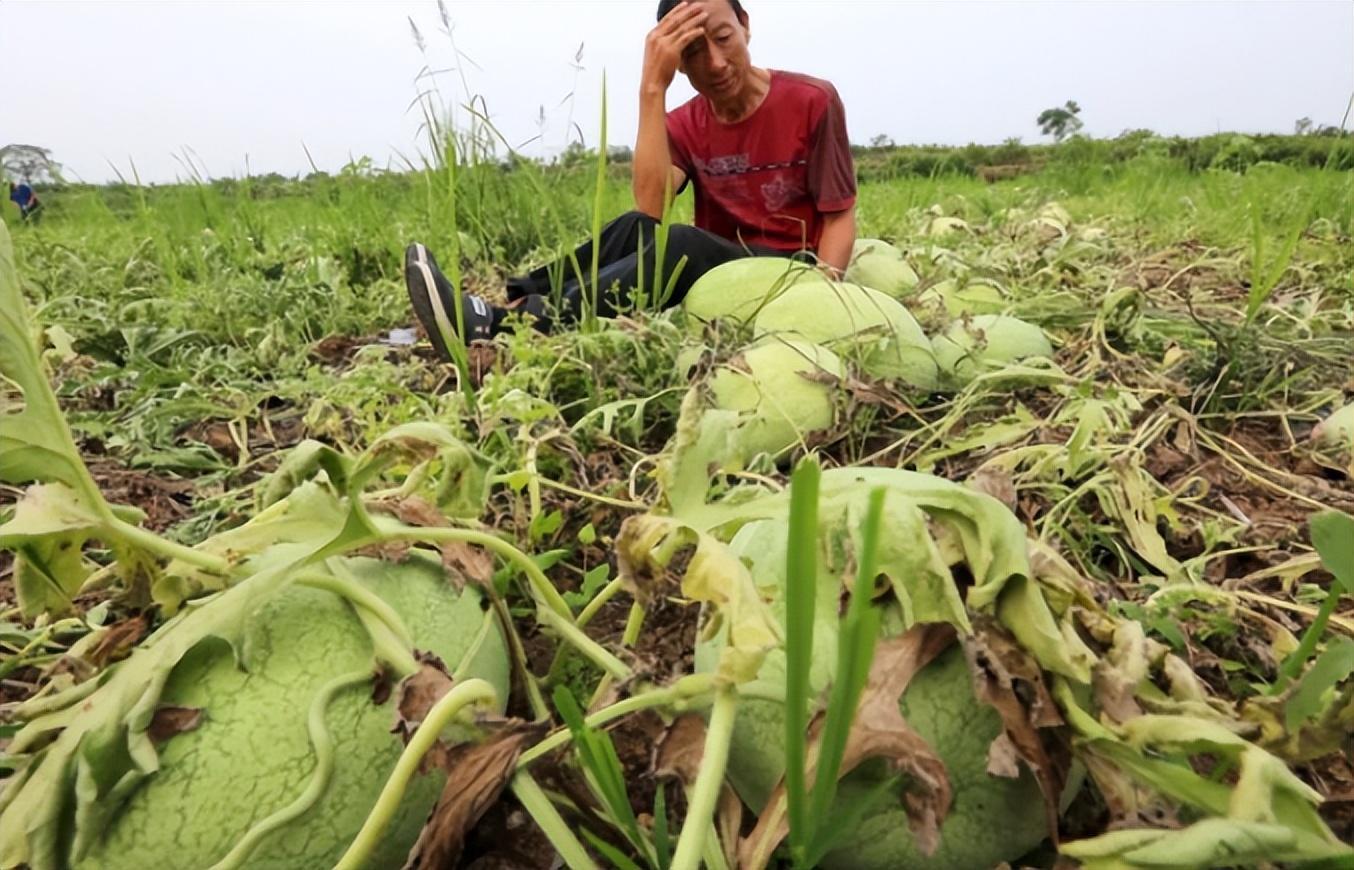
768 179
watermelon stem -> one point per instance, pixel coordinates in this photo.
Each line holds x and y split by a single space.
709 780
469 694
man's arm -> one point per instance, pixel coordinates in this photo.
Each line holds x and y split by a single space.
652 155
832 185
837 240
652 168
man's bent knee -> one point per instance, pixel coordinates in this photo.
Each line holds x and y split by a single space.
636 217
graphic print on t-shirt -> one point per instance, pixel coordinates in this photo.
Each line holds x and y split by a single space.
780 191
729 164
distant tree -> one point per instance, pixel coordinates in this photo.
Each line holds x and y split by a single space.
620 154
1060 121
29 163
576 154
883 140
359 167
1012 151
1302 126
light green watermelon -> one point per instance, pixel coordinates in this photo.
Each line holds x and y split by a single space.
880 266
251 754
738 289
865 326
991 819
987 341
767 384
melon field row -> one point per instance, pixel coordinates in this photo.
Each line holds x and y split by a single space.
1027 541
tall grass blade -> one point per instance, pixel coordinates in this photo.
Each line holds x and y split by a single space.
1264 279
590 318
662 840
855 651
598 756
801 580
1333 536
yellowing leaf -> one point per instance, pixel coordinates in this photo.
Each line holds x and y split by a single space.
49 527
646 546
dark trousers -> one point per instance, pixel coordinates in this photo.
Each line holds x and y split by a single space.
626 253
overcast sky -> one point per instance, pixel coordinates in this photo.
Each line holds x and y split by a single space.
110 82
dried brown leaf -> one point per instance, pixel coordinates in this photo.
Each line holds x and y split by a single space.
414 697
677 755
1011 682
382 685
729 822
678 752
995 481
866 392
1129 804
1002 758
117 641
168 721
386 551
460 560
881 731
412 511
465 562
1116 677
476 775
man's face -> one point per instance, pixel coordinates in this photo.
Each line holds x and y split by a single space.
717 64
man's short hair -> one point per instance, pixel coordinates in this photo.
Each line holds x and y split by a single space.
666 6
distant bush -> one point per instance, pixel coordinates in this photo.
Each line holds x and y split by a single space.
1238 154
1230 152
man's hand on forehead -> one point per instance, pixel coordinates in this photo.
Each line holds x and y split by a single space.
665 44
686 17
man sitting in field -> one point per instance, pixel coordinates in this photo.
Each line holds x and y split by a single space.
766 151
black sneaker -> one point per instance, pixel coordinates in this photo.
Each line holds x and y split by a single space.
434 301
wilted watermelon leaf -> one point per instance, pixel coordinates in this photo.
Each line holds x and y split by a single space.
47 532
645 547
35 442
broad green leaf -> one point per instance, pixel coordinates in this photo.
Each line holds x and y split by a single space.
300 465
1309 697
35 442
1265 790
989 538
1024 610
1333 537
702 447
911 559
463 485
311 510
